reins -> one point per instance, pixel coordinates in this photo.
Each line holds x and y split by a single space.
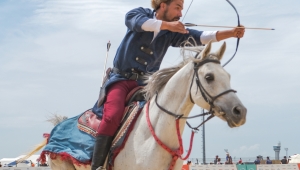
175 153
206 96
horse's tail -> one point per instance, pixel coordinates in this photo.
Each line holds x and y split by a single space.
55 119
37 148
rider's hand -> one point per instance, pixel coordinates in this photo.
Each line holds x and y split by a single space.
174 26
238 32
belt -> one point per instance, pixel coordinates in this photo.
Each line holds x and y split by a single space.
129 75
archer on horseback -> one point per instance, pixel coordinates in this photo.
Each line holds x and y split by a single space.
149 34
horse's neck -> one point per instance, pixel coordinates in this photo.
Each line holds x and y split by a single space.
175 97
141 149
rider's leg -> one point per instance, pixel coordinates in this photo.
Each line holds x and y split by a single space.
112 116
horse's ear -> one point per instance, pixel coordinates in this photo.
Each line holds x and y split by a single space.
221 51
206 50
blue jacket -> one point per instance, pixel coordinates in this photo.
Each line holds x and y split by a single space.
137 50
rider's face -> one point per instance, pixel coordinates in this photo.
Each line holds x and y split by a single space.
172 12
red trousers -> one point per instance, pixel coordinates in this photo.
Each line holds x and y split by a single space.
114 106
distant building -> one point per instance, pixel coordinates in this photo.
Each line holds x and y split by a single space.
277 150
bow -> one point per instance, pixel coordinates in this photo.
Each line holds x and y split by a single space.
238 40
238 20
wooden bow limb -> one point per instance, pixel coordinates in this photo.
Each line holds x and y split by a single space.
196 25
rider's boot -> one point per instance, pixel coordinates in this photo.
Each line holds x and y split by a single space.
101 148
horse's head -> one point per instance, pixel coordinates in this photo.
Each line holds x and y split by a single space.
213 88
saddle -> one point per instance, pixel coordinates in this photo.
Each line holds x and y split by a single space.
89 123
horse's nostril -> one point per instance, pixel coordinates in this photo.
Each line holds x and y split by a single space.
237 110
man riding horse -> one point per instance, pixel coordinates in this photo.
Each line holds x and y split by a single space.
149 35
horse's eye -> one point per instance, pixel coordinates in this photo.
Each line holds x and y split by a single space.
209 77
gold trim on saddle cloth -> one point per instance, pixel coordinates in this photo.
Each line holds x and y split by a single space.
132 111
89 123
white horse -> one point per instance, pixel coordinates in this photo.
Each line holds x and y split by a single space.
201 81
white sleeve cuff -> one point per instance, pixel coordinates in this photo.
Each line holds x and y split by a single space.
152 25
207 36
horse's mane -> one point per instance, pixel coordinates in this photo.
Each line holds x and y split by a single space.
157 80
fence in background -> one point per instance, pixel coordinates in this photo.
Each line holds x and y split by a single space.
243 167
202 167
235 159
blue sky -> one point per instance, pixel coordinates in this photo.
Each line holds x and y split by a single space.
52 57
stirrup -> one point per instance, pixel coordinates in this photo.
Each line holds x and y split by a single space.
101 168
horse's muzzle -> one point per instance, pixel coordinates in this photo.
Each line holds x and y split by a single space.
237 116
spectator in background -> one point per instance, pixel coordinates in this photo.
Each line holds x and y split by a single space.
284 160
219 161
32 164
257 160
216 159
0 165
189 162
228 159
268 161
240 161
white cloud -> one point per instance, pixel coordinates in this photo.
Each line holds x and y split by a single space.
91 15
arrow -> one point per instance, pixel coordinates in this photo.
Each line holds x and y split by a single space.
195 25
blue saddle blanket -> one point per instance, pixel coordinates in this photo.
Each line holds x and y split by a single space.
69 142
66 138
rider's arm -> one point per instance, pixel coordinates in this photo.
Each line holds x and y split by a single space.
200 37
208 36
235 32
152 25
155 25
135 18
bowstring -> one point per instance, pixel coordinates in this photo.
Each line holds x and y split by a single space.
238 17
187 10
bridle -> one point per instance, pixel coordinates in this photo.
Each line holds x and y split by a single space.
206 96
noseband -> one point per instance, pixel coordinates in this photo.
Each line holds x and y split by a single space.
206 96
